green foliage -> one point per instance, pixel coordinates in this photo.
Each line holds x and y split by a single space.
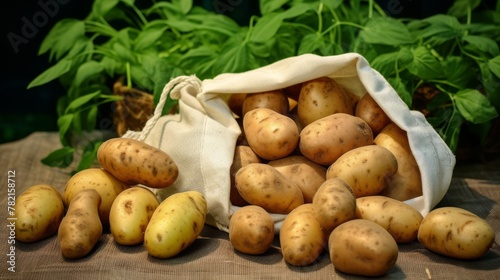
456 52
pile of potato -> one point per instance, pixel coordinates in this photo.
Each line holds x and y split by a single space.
115 197
341 170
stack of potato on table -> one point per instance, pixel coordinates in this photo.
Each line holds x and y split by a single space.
334 163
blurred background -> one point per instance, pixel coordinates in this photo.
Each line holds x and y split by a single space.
25 111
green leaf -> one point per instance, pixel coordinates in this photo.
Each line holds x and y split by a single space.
460 7
494 65
148 37
89 155
51 73
62 36
474 106
451 134
64 123
87 71
441 28
269 6
59 158
101 7
123 53
491 83
332 4
80 101
266 27
386 31
183 5
310 43
484 44
425 65
91 119
457 70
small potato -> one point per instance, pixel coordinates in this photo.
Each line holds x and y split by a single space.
306 174
366 169
271 135
407 182
302 239
130 214
81 228
398 218
275 100
456 233
251 230
334 204
362 247
322 97
135 162
325 140
243 155
100 180
261 184
176 223
39 211
368 110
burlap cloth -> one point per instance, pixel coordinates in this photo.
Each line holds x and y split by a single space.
475 187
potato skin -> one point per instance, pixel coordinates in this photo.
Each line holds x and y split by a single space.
321 97
334 204
175 224
130 214
135 162
39 211
261 184
407 182
362 247
275 100
366 169
243 155
100 180
270 135
81 228
301 237
368 110
306 174
398 218
251 230
456 233
325 140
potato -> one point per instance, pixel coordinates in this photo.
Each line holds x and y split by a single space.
398 218
130 214
135 162
456 233
261 184
271 135
235 103
39 211
306 174
100 180
251 230
366 169
176 223
322 97
243 155
362 247
368 110
407 182
325 140
301 237
81 228
275 100
334 204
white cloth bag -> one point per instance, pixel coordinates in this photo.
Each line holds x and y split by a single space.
201 139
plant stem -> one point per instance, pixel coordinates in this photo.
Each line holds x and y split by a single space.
370 8
320 18
129 76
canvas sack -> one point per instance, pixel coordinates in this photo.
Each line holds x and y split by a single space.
201 138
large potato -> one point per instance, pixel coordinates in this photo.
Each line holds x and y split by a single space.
407 182
322 97
261 184
243 155
325 140
100 180
306 174
334 204
275 100
301 237
175 224
366 169
398 218
135 162
271 135
39 211
81 228
130 214
251 230
456 233
368 110
362 247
